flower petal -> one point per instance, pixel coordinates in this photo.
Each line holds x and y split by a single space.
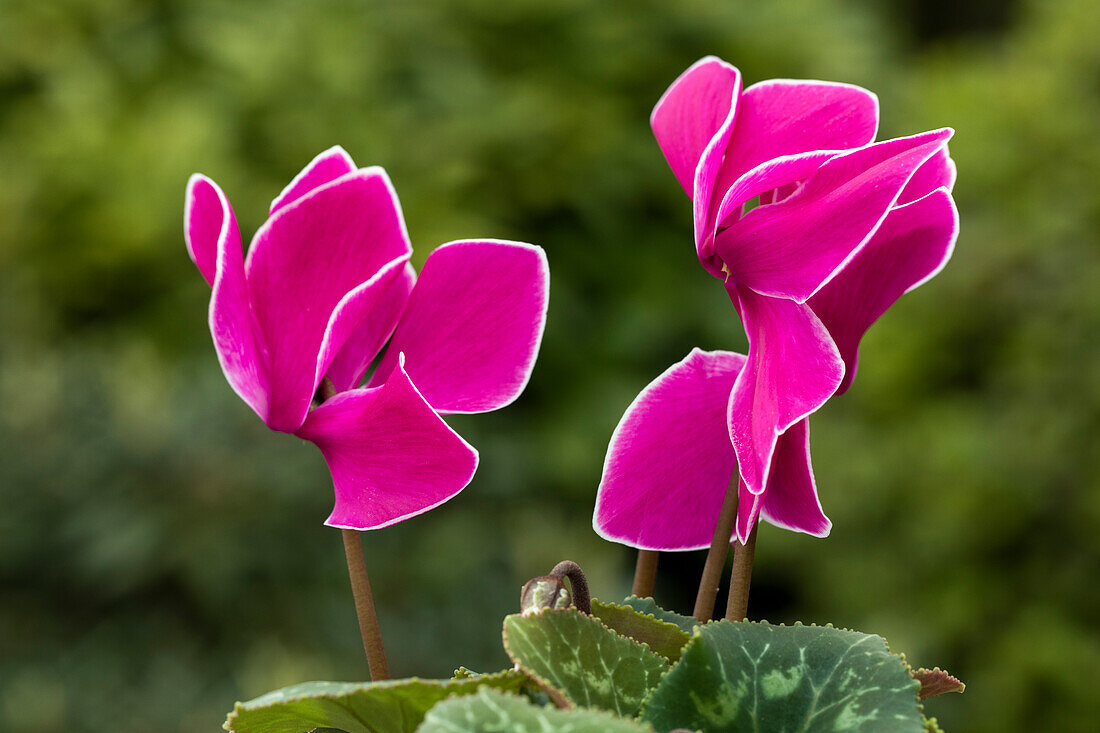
791 249
790 500
670 458
326 167
303 261
354 358
793 367
214 243
691 112
748 512
781 117
207 219
473 324
779 173
911 246
391 456
937 172
383 295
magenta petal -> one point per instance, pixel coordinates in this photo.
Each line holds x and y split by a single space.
793 367
670 458
207 220
303 261
212 232
748 511
791 249
354 358
781 173
912 245
937 172
790 501
361 307
473 324
782 117
690 113
326 167
391 456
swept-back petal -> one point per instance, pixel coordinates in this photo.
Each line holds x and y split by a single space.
303 261
791 249
779 173
354 358
326 167
383 295
791 501
207 219
911 246
670 458
391 456
472 327
793 367
937 172
787 117
214 243
748 512
691 112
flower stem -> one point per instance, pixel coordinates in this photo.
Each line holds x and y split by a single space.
737 608
645 573
369 629
716 556
364 606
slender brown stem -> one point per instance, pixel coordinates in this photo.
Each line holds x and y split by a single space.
645 573
364 606
737 608
716 556
360 584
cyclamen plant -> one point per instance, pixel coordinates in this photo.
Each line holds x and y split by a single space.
842 226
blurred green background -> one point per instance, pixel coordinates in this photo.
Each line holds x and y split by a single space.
162 553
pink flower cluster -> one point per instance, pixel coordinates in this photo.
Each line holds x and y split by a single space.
326 283
842 227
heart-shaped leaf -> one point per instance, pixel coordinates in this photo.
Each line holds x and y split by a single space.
579 661
489 711
743 676
393 706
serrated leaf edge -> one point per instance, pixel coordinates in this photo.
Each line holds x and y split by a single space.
643 615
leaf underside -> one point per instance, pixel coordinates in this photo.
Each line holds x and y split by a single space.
773 679
936 682
581 662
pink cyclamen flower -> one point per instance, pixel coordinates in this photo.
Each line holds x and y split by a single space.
843 228
326 282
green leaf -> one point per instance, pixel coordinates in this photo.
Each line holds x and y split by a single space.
579 661
666 639
770 679
393 706
648 605
494 711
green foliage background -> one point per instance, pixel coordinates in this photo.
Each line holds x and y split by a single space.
162 553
